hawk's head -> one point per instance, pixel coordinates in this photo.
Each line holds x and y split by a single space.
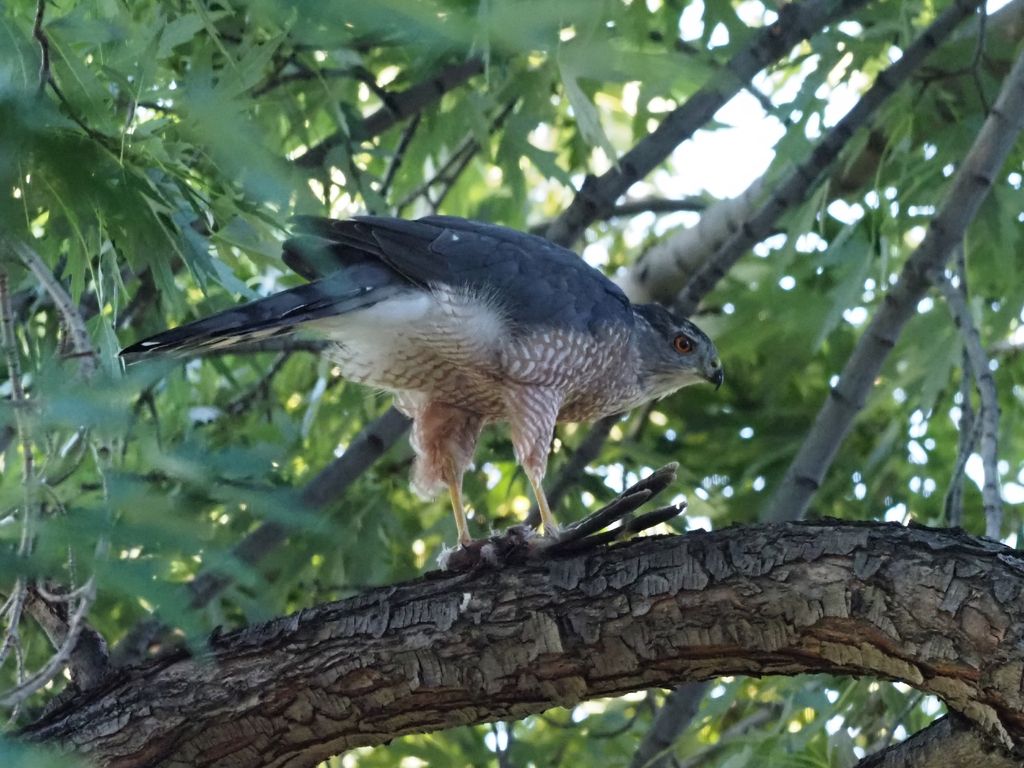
673 352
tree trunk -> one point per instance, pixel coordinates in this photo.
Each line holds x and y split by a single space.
936 609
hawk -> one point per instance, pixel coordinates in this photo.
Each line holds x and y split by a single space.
467 324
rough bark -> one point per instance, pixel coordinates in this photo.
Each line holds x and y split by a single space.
936 609
951 742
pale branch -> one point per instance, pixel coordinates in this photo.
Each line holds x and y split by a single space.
659 273
11 611
402 105
797 185
988 412
87 660
969 187
674 717
596 198
72 318
936 609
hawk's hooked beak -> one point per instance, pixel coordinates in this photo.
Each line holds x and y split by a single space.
714 373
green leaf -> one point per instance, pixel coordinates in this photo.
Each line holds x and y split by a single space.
586 114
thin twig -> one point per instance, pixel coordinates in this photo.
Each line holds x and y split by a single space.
988 412
795 188
970 186
15 604
260 390
979 52
399 155
44 45
449 173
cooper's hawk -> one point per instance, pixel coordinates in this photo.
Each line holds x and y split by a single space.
467 324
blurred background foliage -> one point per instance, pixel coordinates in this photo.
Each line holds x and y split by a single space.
155 178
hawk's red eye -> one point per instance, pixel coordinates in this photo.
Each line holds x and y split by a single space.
683 345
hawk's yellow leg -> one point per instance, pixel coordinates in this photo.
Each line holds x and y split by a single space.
454 482
547 520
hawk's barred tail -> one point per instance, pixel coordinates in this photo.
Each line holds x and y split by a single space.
357 287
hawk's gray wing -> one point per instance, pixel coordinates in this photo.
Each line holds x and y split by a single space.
537 283
360 262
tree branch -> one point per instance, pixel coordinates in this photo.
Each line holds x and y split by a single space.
951 742
937 609
794 189
970 186
596 198
405 104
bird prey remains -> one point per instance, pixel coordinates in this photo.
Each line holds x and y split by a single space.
467 324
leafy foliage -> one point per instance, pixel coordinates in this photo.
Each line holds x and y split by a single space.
154 173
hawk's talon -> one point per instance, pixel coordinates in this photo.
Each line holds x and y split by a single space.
553 532
520 543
